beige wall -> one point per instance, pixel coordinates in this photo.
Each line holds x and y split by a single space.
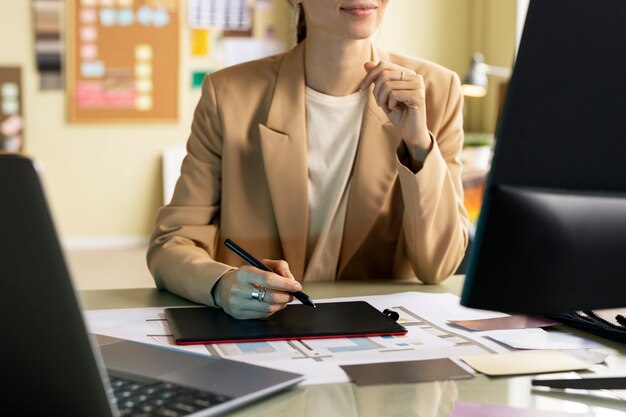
105 180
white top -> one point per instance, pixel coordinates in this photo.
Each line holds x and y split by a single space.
333 129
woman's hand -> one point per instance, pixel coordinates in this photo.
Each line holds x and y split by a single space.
400 92
234 290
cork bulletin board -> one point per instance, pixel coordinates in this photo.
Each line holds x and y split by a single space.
122 61
11 123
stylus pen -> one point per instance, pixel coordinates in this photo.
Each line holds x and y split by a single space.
304 299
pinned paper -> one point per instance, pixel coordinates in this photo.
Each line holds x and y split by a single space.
525 362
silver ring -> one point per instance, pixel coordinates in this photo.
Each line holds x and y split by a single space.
262 294
401 75
254 295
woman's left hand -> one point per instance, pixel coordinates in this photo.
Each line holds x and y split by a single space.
400 92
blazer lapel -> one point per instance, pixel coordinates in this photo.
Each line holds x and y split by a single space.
374 173
284 149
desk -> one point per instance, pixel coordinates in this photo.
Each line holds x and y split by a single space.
423 400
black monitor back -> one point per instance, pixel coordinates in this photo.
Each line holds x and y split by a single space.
552 231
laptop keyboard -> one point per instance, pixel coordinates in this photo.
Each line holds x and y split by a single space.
140 396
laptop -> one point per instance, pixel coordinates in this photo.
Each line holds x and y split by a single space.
50 362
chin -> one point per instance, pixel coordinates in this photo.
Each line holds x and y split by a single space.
360 33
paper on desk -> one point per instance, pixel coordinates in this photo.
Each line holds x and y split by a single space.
425 316
502 323
540 339
592 357
524 362
463 409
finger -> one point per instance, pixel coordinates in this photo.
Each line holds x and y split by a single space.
373 71
390 80
256 277
280 267
249 314
263 308
397 98
277 297
382 98
402 78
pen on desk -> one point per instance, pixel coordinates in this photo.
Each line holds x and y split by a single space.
304 299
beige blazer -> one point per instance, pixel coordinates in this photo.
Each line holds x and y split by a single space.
245 178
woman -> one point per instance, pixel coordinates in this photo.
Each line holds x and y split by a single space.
336 156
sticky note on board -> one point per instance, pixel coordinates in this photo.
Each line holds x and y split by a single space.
526 362
11 106
161 17
125 17
199 42
144 86
143 52
89 51
108 17
143 102
88 16
143 70
9 90
92 69
197 77
88 34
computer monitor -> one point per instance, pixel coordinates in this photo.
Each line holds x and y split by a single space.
551 235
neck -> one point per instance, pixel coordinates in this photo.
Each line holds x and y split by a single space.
335 67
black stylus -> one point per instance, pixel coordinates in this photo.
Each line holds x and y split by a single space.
304 299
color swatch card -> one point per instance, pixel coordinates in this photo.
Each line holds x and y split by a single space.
502 323
540 339
405 372
524 362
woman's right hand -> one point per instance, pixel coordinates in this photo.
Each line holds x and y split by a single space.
233 292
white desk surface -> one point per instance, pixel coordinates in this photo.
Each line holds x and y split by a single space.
422 400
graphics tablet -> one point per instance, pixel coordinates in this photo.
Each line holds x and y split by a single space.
192 325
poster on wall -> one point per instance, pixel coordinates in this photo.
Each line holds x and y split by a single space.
49 50
11 122
123 61
227 15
